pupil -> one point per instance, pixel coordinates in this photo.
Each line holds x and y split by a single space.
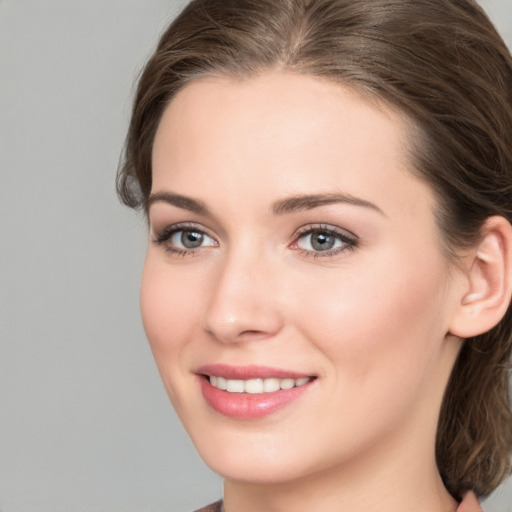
322 241
191 239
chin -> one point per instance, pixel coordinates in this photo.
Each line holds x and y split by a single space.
256 471
250 458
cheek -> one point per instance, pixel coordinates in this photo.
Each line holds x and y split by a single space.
378 321
169 307
381 333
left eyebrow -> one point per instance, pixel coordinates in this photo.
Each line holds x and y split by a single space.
301 203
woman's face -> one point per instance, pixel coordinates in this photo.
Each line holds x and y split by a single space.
292 246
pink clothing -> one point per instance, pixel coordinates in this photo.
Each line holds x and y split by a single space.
469 504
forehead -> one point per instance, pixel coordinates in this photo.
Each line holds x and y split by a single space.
274 103
279 134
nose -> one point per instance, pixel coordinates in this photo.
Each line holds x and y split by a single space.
243 305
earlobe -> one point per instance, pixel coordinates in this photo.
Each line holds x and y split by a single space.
487 296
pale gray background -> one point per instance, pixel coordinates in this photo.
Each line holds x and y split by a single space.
85 424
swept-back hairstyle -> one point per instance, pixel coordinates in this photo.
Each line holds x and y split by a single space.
442 65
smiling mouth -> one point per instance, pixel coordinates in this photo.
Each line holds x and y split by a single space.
256 386
251 392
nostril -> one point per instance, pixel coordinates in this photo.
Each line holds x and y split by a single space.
251 332
249 335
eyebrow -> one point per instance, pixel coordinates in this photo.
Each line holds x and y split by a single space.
298 203
303 202
184 202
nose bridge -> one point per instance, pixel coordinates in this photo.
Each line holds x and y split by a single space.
242 305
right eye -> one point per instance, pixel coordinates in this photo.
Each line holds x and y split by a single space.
184 240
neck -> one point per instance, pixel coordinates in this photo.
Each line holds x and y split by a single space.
335 495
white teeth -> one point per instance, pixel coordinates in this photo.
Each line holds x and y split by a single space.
287 383
253 386
221 383
270 385
235 386
256 386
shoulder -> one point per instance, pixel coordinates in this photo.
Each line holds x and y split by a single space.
216 507
469 504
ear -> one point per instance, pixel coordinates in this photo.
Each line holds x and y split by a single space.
487 290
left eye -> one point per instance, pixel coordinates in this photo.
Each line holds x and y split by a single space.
319 240
190 239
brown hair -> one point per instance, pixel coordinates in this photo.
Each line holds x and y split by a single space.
442 64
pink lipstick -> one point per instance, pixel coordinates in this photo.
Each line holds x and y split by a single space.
250 392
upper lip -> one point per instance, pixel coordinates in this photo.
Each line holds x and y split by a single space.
248 372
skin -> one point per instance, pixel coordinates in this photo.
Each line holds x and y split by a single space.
371 322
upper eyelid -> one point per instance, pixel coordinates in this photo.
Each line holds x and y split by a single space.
183 226
216 231
308 228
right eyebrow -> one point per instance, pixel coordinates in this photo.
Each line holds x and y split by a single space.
186 203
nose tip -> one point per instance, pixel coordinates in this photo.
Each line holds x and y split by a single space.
242 323
243 307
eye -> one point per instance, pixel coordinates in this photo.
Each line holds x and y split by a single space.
323 241
189 239
319 240
183 239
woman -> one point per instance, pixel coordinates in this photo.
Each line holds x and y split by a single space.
327 287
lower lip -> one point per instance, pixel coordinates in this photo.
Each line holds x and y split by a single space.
247 406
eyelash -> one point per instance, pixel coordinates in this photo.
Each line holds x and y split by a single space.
349 241
167 233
